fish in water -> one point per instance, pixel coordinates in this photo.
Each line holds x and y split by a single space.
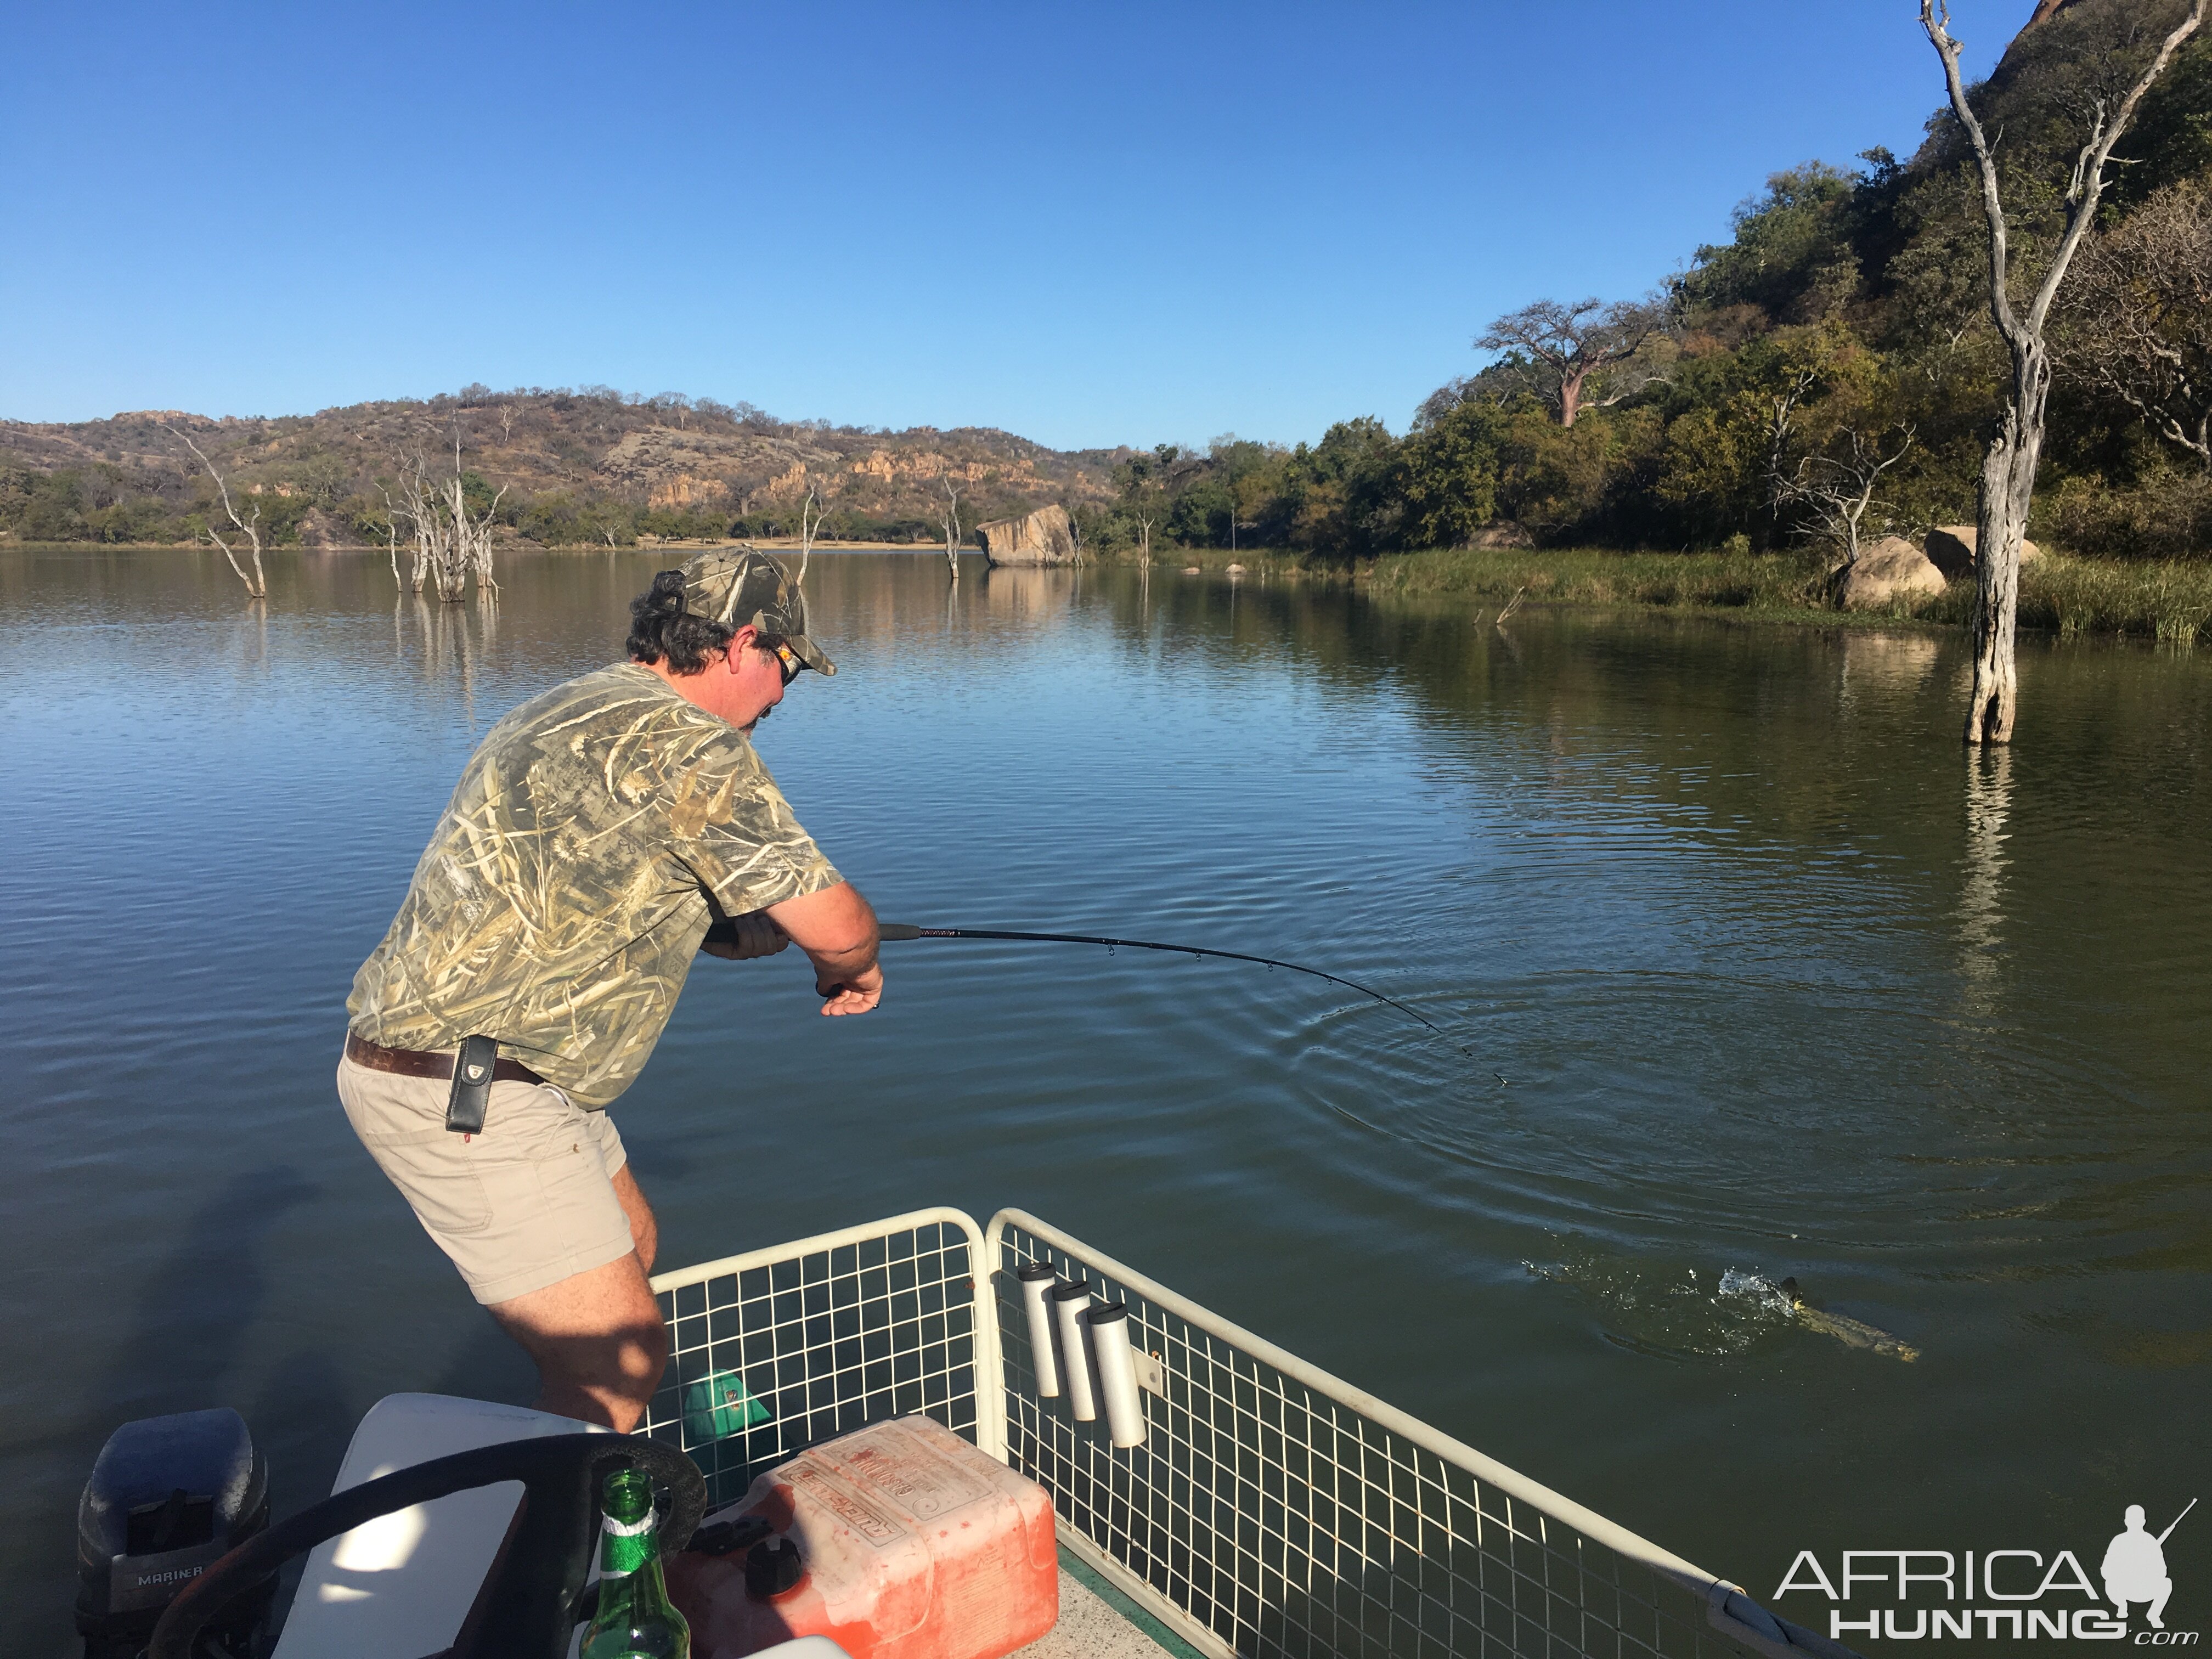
1843 1329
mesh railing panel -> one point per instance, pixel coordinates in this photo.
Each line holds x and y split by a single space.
1281 1520
826 1335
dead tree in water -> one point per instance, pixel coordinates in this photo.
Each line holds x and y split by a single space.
952 521
451 544
257 585
393 514
2008 467
811 514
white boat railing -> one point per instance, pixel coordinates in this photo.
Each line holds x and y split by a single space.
829 1335
1273 1508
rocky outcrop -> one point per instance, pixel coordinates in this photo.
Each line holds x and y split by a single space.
1043 536
589 446
1892 569
322 531
1951 547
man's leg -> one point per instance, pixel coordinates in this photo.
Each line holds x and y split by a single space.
2165 1588
551 1240
598 1338
598 1342
644 1230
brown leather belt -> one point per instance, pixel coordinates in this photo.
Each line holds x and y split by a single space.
437 1066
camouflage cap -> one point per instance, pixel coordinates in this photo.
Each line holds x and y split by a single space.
740 586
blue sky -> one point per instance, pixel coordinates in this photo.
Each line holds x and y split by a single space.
1088 225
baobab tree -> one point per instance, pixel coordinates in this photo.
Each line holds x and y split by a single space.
1565 346
2009 466
257 585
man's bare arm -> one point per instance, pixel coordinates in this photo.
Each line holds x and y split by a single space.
836 928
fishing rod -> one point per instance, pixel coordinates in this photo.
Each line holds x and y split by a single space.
724 931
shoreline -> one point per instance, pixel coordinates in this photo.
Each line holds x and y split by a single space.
2165 602
2168 602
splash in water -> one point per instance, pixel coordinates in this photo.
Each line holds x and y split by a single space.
1678 1315
1786 1298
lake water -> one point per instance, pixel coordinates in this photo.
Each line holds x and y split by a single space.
1759 972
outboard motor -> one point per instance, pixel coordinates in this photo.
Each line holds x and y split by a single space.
168 1497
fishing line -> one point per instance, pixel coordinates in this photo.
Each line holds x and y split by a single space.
900 931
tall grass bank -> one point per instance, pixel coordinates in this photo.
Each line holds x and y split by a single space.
2167 600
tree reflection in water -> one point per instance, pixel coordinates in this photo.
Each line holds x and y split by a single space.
1981 897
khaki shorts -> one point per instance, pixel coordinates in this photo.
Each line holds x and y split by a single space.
528 1203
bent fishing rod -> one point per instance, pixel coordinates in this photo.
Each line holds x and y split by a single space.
725 933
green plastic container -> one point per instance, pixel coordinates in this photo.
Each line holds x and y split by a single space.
719 1407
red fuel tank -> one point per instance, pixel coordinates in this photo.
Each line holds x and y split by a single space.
911 1544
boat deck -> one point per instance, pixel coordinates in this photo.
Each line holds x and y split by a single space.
1096 1621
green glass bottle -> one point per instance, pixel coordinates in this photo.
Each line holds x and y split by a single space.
636 1619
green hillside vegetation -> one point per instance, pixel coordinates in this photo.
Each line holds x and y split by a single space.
1847 308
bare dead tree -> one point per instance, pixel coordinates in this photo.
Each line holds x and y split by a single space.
452 544
257 585
2008 468
1075 535
811 514
1567 345
506 422
1784 427
952 521
2136 321
393 514
1146 520
1836 491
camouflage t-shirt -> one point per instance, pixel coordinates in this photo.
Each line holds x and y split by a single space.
564 894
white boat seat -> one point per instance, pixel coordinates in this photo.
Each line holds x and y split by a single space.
399 1586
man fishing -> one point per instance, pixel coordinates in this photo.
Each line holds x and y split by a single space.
594 835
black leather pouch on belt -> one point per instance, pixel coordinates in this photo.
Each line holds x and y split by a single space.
472 1073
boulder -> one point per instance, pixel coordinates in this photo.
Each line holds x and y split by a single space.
1951 547
1043 536
1892 568
1504 533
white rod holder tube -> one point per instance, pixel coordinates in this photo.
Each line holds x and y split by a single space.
1117 1374
1069 1305
1036 1282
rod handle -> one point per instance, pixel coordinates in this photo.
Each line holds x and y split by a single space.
724 932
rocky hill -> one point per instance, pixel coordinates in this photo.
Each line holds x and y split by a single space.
587 465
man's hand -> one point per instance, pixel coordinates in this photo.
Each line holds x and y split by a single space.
758 936
852 996
837 930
